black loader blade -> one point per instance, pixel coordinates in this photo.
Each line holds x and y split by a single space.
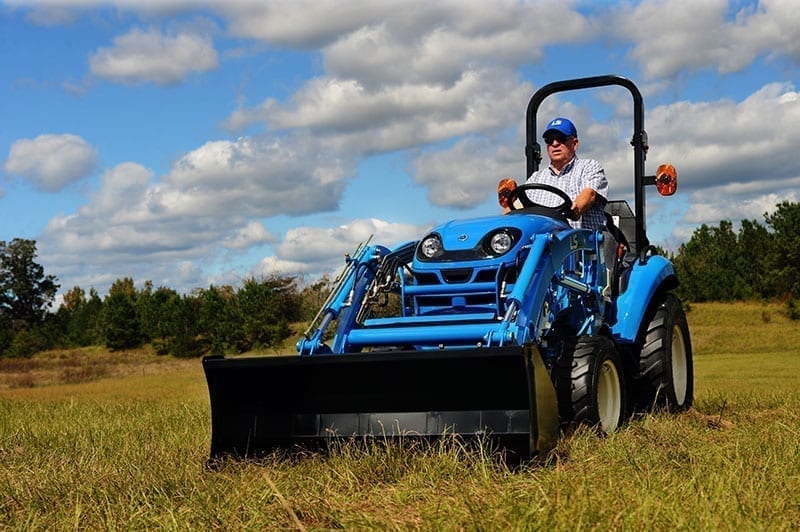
262 404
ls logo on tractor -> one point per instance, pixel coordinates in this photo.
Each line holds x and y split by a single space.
462 238
574 242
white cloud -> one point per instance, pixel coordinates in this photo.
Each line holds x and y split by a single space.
319 250
305 23
442 70
312 243
706 211
725 141
53 15
204 206
272 265
671 36
222 180
437 41
467 173
252 234
355 119
148 56
253 177
773 28
120 187
51 162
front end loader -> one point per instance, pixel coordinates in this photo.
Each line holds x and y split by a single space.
508 327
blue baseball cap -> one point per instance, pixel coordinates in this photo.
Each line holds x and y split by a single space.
562 125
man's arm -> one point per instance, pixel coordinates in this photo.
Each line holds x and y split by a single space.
583 202
594 185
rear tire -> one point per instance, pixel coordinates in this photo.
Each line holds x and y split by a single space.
590 384
665 360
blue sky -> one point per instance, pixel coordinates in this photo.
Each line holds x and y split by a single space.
192 142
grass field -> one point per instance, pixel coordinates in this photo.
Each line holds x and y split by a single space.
91 440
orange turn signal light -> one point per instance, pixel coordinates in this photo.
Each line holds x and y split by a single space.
504 189
666 180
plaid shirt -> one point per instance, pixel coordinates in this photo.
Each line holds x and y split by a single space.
577 175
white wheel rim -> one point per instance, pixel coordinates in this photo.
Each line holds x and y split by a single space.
609 397
680 372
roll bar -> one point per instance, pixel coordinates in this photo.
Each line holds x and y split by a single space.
533 150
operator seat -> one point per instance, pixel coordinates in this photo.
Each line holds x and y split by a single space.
620 231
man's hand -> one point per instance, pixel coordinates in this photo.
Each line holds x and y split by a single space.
504 189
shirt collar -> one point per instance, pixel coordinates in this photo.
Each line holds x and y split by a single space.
567 167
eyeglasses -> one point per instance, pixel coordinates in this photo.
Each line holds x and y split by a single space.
560 137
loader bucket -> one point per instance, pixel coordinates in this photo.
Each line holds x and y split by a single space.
263 404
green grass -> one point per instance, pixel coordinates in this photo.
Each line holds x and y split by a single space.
127 450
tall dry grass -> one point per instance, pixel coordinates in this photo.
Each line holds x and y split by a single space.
129 452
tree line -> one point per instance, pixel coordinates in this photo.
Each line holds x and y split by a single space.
756 262
717 263
217 319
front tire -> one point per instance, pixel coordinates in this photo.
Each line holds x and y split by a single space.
665 361
590 384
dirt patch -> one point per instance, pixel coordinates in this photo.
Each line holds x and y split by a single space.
711 421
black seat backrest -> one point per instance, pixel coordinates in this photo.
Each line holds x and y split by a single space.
622 217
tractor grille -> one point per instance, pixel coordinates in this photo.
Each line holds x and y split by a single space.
461 275
455 276
456 290
426 278
482 300
486 276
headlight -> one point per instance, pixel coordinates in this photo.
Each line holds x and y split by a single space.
500 243
431 247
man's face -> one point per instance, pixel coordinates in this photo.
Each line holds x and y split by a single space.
560 148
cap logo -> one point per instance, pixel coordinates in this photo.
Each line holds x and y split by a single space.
564 125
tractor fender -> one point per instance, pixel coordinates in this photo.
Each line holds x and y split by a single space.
646 279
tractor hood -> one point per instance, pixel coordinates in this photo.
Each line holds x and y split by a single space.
472 239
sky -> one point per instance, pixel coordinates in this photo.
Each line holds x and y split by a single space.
193 143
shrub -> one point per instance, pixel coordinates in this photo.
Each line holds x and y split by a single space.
25 344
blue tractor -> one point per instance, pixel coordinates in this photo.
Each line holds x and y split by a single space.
510 327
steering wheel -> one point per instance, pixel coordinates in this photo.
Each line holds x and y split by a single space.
561 211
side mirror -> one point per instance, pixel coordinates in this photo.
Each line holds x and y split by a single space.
504 189
666 180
